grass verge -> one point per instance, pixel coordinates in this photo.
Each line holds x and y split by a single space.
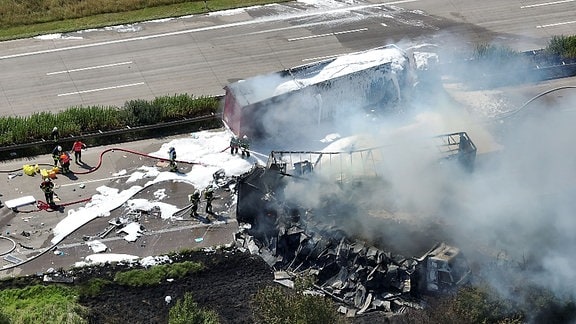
48 17
41 304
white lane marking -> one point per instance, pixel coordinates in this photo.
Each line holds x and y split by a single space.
96 180
188 31
557 24
90 68
328 34
320 58
285 28
101 89
545 4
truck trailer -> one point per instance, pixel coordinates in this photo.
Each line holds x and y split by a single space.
297 100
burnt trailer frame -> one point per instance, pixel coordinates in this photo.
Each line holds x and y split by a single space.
260 190
309 97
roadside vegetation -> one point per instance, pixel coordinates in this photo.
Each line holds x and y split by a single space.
77 121
157 274
562 46
497 65
276 304
41 304
58 303
141 277
559 48
22 19
187 311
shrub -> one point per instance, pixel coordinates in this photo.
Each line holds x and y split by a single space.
41 304
93 287
494 55
144 112
276 305
562 46
76 121
186 311
156 274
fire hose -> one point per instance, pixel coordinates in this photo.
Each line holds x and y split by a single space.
41 205
133 152
47 207
527 103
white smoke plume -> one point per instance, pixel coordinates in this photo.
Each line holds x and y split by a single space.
518 203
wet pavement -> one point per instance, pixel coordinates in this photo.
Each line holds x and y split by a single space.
26 234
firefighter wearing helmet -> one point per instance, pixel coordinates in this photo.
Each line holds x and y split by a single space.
48 187
56 152
172 157
195 200
245 146
209 196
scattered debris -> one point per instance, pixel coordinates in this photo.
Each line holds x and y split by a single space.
300 242
97 246
18 202
25 246
12 259
133 231
14 175
58 277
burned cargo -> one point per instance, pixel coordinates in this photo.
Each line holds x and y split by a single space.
318 236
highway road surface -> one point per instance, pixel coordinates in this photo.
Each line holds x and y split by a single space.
201 54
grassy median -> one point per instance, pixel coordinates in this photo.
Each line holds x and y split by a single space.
21 19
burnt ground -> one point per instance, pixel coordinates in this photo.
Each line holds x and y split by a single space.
226 285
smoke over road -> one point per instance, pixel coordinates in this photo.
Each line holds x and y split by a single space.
515 209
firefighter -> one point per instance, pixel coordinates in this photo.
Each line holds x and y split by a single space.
77 147
48 187
209 196
65 162
172 156
245 146
195 200
56 152
55 135
234 145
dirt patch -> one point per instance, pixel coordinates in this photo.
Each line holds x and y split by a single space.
226 286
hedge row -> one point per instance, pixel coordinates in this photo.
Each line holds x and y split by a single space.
562 46
77 121
558 48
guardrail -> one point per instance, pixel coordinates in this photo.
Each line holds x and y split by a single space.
113 136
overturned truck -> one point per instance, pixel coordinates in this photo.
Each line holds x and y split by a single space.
297 230
296 101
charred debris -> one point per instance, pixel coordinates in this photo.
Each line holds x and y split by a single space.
299 241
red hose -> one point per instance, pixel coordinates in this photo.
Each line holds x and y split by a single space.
133 152
41 205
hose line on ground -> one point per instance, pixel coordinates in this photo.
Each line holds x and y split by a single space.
41 205
133 152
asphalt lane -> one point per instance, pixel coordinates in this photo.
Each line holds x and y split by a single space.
201 54
32 231
526 23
